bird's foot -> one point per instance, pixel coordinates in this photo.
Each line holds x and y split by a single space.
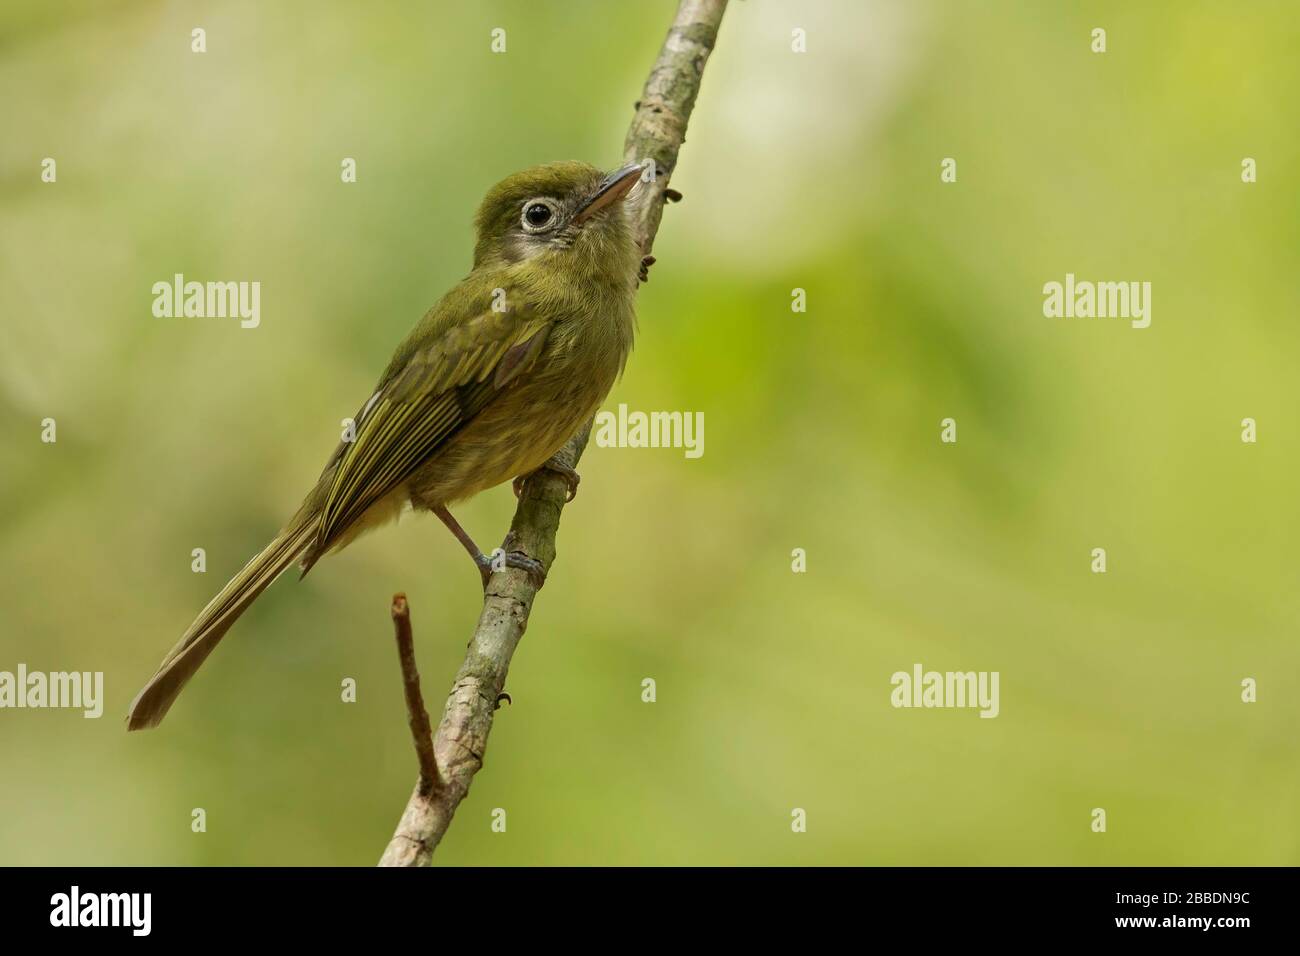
646 263
499 560
569 475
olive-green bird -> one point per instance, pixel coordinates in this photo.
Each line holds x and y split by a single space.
490 384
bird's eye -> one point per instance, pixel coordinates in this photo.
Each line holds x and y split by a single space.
537 215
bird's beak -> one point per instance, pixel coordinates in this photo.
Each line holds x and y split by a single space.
611 189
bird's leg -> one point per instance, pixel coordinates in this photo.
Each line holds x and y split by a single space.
461 535
485 564
569 475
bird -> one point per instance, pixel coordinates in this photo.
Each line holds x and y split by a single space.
487 387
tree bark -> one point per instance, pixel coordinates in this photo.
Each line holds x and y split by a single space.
657 133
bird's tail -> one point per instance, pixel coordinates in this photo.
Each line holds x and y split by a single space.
153 702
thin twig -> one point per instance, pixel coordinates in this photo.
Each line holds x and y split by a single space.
421 731
657 132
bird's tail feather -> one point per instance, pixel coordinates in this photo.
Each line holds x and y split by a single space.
153 702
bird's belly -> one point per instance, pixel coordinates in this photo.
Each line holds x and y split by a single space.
513 436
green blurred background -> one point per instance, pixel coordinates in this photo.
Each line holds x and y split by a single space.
818 171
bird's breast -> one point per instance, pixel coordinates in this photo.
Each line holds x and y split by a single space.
534 415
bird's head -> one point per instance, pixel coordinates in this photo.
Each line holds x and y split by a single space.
563 208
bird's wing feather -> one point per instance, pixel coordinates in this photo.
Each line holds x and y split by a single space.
420 405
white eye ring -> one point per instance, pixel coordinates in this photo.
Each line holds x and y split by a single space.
538 215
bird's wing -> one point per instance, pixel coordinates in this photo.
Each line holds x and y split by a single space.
440 388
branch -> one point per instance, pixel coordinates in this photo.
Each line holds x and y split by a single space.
418 716
657 132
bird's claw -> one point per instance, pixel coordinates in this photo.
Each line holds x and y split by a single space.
487 565
568 474
646 263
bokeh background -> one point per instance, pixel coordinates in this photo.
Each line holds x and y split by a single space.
818 171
